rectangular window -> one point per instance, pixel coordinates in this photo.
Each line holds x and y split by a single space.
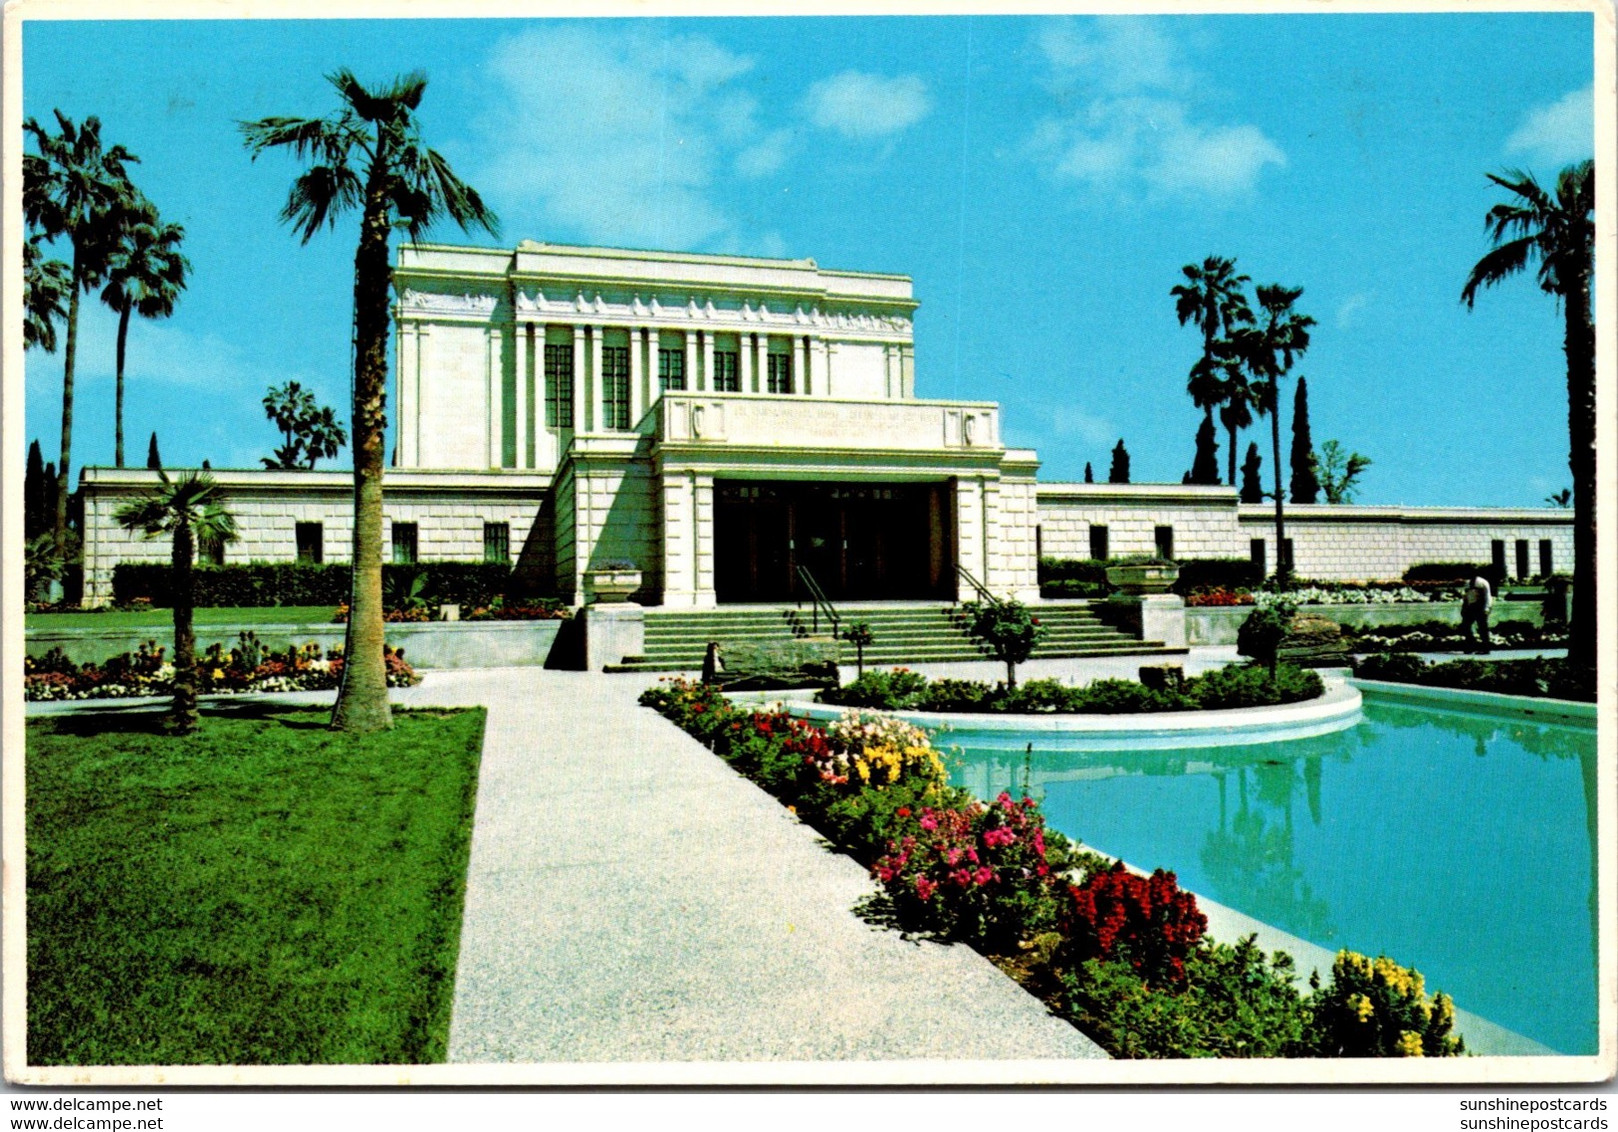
780 373
1098 542
615 387
1257 556
1497 557
404 544
558 386
1286 555
311 543
726 372
1522 558
1164 538
671 369
1547 562
497 542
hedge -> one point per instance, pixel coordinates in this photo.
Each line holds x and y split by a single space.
295 583
1218 573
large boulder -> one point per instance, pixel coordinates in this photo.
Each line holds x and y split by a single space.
1314 642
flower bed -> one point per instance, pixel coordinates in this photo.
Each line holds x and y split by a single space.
1236 686
249 667
1430 636
1124 958
1546 676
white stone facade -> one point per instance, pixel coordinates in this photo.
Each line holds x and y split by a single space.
727 424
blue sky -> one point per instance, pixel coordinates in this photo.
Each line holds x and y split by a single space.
1042 179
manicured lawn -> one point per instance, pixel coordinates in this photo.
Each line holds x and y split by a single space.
163 618
263 891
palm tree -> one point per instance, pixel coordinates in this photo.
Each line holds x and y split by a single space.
73 187
1268 351
1236 397
46 282
190 510
145 275
1558 232
368 154
1213 298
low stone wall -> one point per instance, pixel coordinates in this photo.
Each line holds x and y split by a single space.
1217 625
435 644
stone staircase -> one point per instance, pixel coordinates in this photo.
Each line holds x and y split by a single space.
676 640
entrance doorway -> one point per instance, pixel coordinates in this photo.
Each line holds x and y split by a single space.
860 542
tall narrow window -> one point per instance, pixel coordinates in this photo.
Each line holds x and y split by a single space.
1098 542
311 543
671 369
1164 538
404 544
1497 557
615 387
1522 558
1547 563
497 542
1257 556
726 374
780 373
558 386
1286 555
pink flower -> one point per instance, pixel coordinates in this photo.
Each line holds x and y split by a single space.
925 888
984 875
929 823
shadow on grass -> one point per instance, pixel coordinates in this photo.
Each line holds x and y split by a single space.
150 718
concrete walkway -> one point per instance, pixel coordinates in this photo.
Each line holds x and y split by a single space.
630 898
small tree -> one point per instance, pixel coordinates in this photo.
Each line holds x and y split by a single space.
1305 484
309 431
1563 498
153 460
1119 472
859 635
1340 471
1205 467
35 503
1252 485
1089 473
1261 635
1006 628
190 511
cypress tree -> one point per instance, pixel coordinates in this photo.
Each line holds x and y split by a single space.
1252 487
153 460
1305 483
1119 472
1089 474
34 501
1205 467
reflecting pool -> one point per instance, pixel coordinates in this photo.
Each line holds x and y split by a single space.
1462 844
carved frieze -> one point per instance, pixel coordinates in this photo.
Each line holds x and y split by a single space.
413 301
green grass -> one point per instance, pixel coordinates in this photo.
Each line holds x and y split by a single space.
263 891
164 618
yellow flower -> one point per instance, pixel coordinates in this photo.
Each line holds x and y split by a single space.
219 674
1409 1044
1362 1006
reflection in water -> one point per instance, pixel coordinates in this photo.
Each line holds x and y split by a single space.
1452 841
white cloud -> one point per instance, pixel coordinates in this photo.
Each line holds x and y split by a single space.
1559 133
1127 122
858 105
1348 312
625 137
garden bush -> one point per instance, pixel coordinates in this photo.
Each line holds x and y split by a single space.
1376 1008
1548 676
1073 578
887 690
301 583
1218 574
1151 923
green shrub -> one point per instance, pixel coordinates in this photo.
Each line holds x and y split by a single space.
302 583
1550 676
1376 1008
1218 573
1129 697
1261 635
1005 628
880 690
1244 686
1091 570
954 695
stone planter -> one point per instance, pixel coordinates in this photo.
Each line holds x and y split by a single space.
609 586
1142 579
449 612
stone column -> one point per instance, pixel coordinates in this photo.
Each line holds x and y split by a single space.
593 408
707 360
497 416
800 364
702 541
690 359
406 434
746 373
524 338
578 379
679 555
761 356
820 367
637 343
649 390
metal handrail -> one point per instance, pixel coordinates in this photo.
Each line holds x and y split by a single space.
971 579
821 602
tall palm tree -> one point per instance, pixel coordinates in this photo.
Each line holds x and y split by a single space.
1236 396
74 187
369 155
145 275
191 511
1558 233
46 282
1213 298
1268 349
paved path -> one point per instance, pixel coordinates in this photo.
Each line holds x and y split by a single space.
630 898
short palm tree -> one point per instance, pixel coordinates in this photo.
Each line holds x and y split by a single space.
1236 397
74 187
369 155
1268 350
46 282
145 275
1558 233
1213 298
190 510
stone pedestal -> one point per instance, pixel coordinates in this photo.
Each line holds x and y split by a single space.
1162 618
612 632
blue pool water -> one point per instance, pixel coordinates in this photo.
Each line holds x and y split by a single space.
1457 843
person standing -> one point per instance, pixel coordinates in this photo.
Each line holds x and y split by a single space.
1475 606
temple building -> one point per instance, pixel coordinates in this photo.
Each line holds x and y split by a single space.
736 430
